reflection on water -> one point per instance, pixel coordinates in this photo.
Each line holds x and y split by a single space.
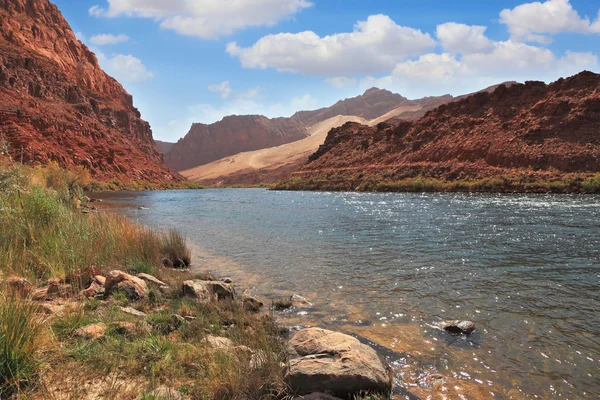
387 267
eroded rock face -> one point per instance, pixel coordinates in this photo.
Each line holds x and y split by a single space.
524 133
206 291
134 287
334 363
56 103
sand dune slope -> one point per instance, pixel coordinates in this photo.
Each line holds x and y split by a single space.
271 158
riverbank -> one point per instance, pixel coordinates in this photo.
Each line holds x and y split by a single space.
90 307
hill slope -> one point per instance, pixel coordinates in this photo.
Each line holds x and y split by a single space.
529 136
231 135
56 103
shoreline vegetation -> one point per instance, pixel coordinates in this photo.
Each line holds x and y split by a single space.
567 185
91 307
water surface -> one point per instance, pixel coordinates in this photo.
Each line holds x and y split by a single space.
525 268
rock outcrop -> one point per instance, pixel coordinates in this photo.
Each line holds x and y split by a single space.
334 363
522 133
207 291
57 105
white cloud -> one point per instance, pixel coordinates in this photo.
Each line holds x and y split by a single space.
223 88
80 36
306 102
208 19
341 82
464 39
446 73
534 21
124 68
106 38
375 45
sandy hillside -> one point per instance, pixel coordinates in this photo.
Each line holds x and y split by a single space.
273 157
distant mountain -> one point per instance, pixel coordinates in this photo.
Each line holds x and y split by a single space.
236 134
233 134
164 147
56 103
524 137
272 164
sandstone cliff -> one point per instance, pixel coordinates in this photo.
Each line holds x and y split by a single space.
56 103
516 136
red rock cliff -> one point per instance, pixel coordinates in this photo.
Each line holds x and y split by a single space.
530 132
56 103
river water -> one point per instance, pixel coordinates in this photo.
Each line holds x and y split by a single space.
389 267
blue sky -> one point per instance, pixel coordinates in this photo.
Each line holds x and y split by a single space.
190 61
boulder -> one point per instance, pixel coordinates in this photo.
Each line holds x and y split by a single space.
334 363
134 287
459 327
251 304
151 279
206 291
92 331
57 287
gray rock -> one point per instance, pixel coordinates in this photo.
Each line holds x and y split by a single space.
459 327
207 291
332 362
133 311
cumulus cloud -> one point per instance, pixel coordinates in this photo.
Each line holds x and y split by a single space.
375 45
508 60
124 68
223 88
106 38
534 21
341 82
464 39
207 19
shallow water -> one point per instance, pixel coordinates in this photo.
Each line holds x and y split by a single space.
387 267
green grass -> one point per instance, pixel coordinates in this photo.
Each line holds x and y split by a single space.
43 234
21 342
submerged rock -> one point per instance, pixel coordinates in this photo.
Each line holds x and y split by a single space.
459 327
134 287
334 363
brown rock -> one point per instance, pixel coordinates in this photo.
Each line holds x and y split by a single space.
151 279
92 331
94 290
134 287
206 291
334 363
464 327
251 304
99 279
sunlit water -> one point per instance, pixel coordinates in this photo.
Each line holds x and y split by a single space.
387 267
